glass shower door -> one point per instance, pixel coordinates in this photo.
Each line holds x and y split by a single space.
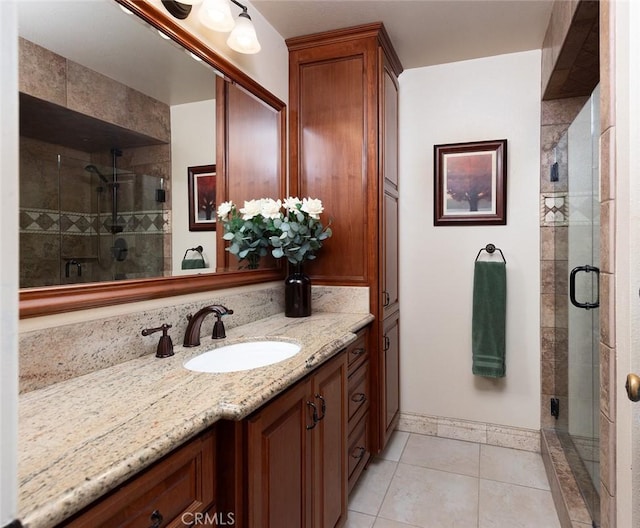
583 255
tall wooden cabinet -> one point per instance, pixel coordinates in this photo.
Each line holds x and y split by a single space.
343 106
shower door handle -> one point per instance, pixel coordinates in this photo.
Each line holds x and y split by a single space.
572 287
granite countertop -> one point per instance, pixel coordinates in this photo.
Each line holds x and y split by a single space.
80 438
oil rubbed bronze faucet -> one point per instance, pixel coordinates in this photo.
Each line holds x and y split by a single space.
192 333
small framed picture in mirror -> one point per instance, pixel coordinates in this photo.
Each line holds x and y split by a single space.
202 198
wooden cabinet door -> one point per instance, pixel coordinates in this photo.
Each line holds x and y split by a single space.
249 155
389 258
333 135
389 163
174 492
297 467
391 373
279 461
330 444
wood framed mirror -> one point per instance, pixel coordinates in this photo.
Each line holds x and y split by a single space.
241 172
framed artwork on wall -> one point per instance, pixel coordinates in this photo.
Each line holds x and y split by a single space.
202 198
470 183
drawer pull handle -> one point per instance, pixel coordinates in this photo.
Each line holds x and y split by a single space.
359 397
387 300
358 351
156 519
359 452
323 406
315 415
387 343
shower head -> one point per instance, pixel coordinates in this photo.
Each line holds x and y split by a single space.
94 169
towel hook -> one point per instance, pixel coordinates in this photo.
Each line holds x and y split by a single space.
491 248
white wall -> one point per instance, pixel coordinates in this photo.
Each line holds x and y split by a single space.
626 131
193 143
484 99
9 262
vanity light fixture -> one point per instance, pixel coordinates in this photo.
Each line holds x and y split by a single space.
216 15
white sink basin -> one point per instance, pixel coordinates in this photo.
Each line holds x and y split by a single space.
243 356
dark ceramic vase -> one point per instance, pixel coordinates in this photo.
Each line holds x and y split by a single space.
297 294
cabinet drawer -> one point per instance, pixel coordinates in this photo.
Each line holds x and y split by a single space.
358 453
358 393
175 489
357 351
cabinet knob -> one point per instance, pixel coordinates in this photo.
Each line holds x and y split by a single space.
359 452
156 519
358 351
358 397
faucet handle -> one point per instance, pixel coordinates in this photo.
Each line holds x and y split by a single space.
218 328
165 345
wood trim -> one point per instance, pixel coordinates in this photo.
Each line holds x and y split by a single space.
373 30
58 299
222 256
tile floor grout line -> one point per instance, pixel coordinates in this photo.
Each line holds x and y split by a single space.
395 521
386 491
515 484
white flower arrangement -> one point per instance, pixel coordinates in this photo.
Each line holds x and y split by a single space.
291 227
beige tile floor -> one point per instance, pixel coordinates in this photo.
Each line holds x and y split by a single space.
431 482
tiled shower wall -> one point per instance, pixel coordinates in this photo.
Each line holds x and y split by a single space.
59 215
608 373
556 116
58 206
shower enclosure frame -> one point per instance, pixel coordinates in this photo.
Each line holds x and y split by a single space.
566 470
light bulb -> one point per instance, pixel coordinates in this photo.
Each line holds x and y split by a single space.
243 38
216 15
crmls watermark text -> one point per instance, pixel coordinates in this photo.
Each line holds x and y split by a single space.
209 519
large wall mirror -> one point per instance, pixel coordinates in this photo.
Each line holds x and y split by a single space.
131 130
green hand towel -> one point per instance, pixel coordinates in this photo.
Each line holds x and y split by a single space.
488 324
193 263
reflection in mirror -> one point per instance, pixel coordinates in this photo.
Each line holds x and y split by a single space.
97 138
111 118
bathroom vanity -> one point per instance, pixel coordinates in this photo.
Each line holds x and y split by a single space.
151 441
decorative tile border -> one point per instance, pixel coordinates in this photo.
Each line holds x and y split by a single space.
70 223
554 209
479 432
